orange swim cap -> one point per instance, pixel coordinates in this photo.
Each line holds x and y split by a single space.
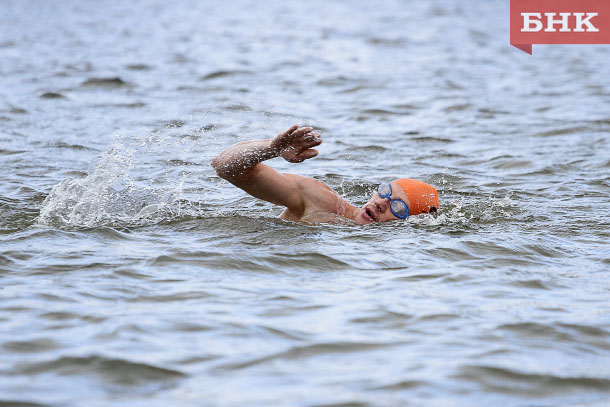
421 196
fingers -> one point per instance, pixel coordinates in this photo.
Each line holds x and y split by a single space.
312 142
289 131
295 144
307 141
307 154
301 132
309 134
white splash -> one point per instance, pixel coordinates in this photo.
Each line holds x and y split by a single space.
109 196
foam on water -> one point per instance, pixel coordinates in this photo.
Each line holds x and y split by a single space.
110 196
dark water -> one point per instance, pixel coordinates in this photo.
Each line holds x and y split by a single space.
132 276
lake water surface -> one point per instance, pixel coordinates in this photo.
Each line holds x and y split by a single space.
131 275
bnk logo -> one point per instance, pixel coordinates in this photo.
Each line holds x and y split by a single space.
559 22
534 19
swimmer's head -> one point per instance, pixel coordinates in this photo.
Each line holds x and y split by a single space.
418 196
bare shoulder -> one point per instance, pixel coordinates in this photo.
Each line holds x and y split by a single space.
319 200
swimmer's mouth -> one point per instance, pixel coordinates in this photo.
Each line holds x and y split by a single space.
369 213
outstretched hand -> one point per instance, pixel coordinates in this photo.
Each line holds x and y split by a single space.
295 144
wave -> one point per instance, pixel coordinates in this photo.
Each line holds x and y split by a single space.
505 380
115 371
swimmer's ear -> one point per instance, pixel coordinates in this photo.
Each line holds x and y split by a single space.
433 211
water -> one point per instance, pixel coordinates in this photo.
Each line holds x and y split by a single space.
131 275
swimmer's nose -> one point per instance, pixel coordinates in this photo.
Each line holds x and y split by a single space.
382 206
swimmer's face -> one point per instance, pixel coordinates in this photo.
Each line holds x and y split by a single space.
377 209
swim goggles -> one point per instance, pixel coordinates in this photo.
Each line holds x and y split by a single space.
398 207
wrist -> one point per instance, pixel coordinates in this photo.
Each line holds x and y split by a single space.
272 149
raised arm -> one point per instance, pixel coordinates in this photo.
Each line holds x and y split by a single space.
241 164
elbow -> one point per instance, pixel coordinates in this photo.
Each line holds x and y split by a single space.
216 163
227 169
222 168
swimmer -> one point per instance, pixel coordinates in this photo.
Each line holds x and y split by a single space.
307 199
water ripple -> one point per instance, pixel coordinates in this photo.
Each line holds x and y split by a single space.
115 371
